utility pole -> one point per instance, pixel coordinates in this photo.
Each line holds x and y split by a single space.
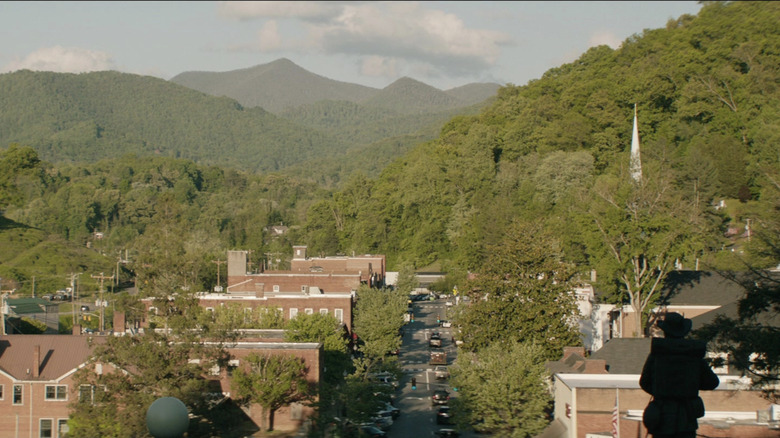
74 296
218 262
2 308
101 303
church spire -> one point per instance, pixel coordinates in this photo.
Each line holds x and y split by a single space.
635 165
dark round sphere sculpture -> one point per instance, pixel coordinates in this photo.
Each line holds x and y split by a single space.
167 417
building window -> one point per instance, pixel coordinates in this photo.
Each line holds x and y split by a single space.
2 392
293 312
46 428
18 394
309 311
90 394
339 314
56 392
153 310
62 427
276 288
232 365
323 311
296 411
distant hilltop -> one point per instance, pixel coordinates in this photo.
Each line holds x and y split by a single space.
283 85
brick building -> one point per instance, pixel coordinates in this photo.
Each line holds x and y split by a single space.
588 389
37 385
324 285
36 382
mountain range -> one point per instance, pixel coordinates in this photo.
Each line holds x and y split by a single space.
86 117
283 85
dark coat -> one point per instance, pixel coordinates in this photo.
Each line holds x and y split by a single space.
673 374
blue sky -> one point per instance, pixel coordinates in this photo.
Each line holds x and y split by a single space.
444 44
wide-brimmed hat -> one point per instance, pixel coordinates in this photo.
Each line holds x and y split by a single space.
675 325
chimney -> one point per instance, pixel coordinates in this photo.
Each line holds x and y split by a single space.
120 322
76 329
573 350
36 361
595 366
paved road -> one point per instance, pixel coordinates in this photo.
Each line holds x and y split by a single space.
418 415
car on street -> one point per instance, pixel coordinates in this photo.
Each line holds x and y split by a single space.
443 416
440 397
435 340
445 323
447 433
441 372
84 308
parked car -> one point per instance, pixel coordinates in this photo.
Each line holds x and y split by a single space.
372 431
447 433
393 410
47 297
84 308
441 372
435 340
384 378
383 420
445 323
440 397
443 415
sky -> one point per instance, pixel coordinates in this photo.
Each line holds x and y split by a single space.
443 44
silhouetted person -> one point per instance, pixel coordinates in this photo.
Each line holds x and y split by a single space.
673 374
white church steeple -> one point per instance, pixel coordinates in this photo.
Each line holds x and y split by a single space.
635 165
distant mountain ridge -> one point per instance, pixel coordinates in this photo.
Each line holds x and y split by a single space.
282 85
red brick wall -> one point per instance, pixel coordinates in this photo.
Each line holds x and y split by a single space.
286 303
283 420
288 282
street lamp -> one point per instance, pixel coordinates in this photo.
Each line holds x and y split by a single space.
167 417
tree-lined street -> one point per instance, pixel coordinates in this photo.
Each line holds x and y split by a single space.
418 414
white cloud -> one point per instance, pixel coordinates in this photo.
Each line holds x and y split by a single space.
63 60
379 66
604 38
269 38
314 11
406 32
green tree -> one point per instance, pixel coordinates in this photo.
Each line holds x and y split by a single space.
149 366
407 280
378 318
503 389
327 330
271 382
637 231
523 293
749 335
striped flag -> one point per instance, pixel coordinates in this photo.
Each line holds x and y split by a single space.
616 416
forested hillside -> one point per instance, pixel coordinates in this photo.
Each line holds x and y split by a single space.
91 116
160 216
706 89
